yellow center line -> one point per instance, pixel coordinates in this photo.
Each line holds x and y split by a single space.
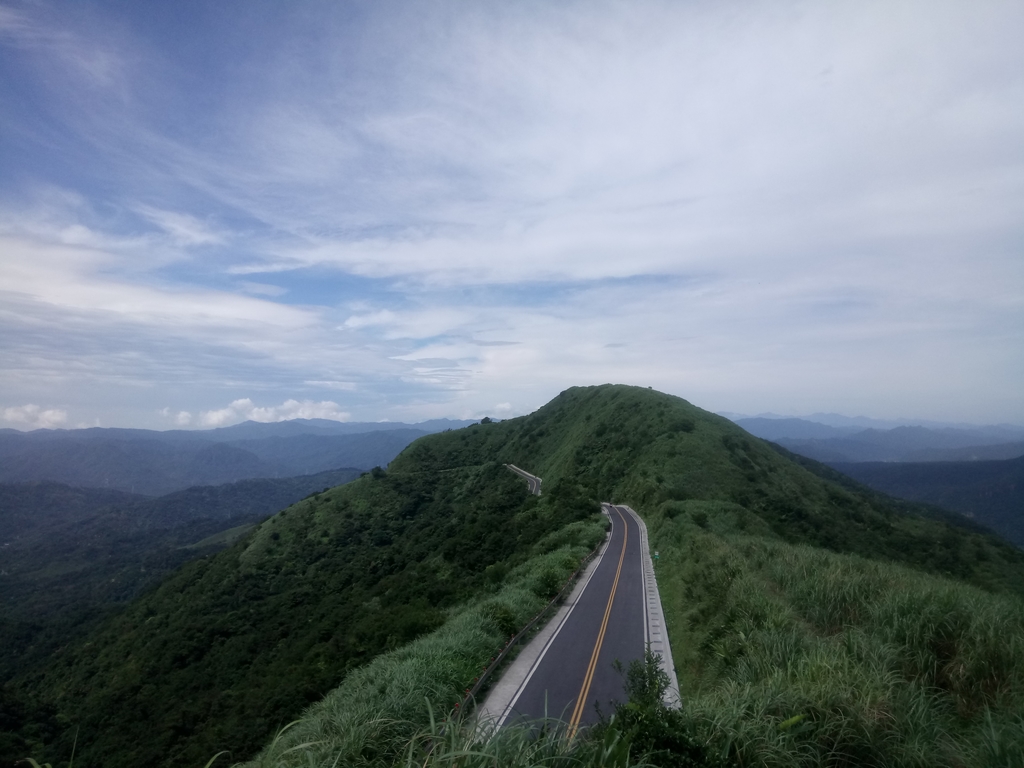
581 702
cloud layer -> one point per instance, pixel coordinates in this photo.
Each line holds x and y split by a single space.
34 417
245 410
786 207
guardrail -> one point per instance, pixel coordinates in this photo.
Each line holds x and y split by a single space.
532 481
470 698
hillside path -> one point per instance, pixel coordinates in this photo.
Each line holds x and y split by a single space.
567 671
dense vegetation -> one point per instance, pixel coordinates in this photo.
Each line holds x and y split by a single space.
990 492
772 658
70 556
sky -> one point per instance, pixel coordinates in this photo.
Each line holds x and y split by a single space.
211 212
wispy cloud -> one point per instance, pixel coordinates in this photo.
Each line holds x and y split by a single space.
184 229
244 409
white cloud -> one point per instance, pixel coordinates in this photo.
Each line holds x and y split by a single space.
184 229
262 289
181 418
245 410
35 417
78 278
383 317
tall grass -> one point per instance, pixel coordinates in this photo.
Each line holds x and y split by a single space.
793 656
379 712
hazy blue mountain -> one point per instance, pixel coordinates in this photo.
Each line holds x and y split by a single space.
292 427
990 492
997 452
899 444
141 465
305 454
779 428
155 463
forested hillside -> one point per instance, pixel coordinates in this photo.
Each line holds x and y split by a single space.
235 646
70 556
989 492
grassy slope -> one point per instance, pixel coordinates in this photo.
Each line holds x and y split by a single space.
881 664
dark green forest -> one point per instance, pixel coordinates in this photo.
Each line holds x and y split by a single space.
991 492
71 556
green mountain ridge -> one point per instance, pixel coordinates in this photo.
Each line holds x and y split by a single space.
234 646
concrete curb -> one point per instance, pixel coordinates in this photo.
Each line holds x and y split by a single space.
655 633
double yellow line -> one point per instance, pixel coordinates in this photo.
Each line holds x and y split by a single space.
581 701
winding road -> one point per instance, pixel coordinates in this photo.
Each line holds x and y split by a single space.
532 480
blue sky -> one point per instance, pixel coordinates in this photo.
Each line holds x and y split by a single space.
388 210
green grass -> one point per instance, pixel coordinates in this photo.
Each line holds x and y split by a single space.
790 655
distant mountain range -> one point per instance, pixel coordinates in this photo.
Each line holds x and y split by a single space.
976 471
155 463
846 444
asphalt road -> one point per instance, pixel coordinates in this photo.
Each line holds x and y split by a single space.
575 673
532 480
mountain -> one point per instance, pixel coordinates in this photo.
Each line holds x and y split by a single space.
971 453
71 555
831 438
989 492
798 429
157 463
899 444
448 546
307 454
292 427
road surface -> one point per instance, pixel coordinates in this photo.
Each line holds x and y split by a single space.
532 480
568 671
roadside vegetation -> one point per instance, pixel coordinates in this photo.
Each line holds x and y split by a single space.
813 622
377 712
791 655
